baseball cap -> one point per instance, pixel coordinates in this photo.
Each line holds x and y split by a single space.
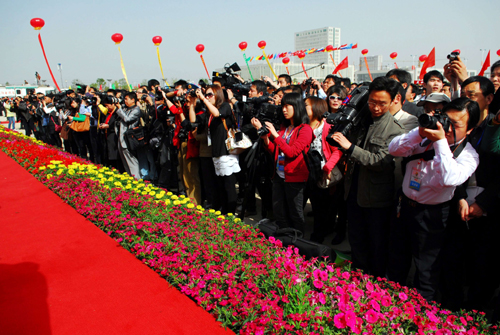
434 97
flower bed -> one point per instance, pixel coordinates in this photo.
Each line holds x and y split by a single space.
250 284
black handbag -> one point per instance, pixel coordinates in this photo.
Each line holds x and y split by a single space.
313 161
135 138
291 236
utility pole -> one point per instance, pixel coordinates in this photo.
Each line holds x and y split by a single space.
59 67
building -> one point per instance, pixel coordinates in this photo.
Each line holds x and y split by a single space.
374 63
318 38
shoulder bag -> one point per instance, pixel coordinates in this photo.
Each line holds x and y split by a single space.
81 126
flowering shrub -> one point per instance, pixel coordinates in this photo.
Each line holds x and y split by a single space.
250 284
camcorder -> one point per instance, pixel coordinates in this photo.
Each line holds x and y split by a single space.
262 110
228 76
349 116
430 122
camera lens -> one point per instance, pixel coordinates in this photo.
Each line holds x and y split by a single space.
427 121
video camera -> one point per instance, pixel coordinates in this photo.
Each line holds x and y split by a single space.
349 116
262 110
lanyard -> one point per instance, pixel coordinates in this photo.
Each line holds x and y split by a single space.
287 135
480 139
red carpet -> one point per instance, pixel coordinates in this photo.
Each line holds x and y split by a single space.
59 274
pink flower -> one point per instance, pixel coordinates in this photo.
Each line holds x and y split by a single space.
339 321
371 316
350 318
322 298
403 296
318 284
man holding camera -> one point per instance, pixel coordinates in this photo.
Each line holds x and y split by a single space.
369 178
438 159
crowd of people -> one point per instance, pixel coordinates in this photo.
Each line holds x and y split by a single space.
408 176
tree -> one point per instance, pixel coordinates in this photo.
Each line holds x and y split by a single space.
7 84
122 83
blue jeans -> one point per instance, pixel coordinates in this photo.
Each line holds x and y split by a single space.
12 121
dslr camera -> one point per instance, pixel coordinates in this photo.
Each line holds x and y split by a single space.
430 122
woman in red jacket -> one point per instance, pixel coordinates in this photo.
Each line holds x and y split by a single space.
321 197
291 173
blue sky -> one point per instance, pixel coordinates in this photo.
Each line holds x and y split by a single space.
78 34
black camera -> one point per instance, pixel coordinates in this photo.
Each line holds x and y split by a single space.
430 122
453 56
263 111
349 116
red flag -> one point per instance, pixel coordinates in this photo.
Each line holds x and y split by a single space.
342 65
100 87
413 67
486 64
355 46
429 62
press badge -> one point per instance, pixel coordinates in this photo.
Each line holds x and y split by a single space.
415 179
281 163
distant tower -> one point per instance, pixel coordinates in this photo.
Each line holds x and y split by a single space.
318 38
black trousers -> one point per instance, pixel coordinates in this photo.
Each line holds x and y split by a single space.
322 203
368 230
226 190
288 203
209 183
82 140
426 225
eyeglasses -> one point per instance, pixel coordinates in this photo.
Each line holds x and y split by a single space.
332 97
209 95
376 104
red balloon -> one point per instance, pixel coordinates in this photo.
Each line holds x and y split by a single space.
498 52
364 51
262 44
117 38
200 48
286 60
393 55
329 48
457 50
243 46
157 40
422 58
37 23
301 55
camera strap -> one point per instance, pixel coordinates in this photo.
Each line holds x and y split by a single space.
429 155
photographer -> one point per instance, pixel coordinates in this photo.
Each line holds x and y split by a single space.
129 118
369 178
108 129
220 119
431 177
50 120
9 113
82 138
291 173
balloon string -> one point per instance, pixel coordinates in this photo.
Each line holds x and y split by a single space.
368 69
46 61
269 64
335 65
246 60
205 65
123 69
287 70
304 69
396 65
161 68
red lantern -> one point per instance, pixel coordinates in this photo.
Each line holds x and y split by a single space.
498 52
364 51
393 55
243 46
157 40
200 48
286 60
37 23
329 48
301 55
262 44
457 50
117 38
422 58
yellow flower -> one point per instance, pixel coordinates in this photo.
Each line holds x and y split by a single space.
128 187
167 202
217 213
41 168
59 172
49 176
190 206
159 196
152 193
176 202
182 196
117 184
212 211
199 207
229 214
110 179
135 182
51 166
144 192
71 172
169 193
220 217
174 197
237 220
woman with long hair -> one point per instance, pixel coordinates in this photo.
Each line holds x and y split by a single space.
220 118
322 200
288 146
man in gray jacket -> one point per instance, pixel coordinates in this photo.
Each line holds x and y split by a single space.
369 179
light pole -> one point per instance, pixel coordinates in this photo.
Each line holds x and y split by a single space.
59 67
413 66
109 80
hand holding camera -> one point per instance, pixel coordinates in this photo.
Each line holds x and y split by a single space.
433 134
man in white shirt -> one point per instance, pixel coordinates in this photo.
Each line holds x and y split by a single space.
438 160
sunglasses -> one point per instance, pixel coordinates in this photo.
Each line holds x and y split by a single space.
209 95
332 97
